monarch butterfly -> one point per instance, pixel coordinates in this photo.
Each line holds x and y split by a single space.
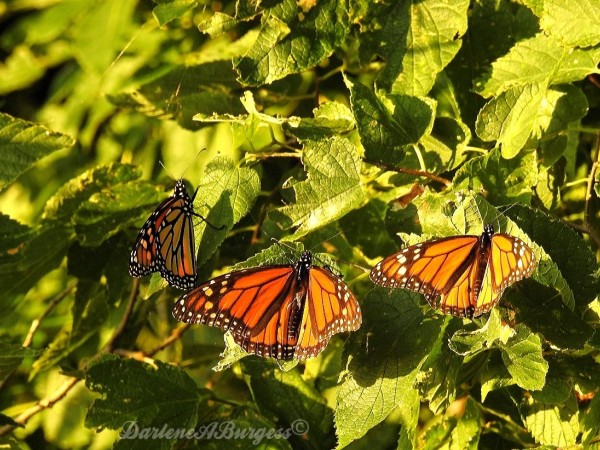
467 274
280 311
165 243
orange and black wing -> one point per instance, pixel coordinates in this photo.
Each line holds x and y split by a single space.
258 306
165 243
330 308
509 260
444 270
281 312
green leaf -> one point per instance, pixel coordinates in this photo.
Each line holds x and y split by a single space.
180 92
226 194
108 19
90 312
381 371
11 357
65 202
113 208
45 26
333 186
37 253
590 422
562 106
535 60
508 118
552 424
388 125
18 71
573 258
150 395
331 118
503 181
166 12
437 380
574 23
13 236
493 29
423 41
241 428
357 227
494 375
522 355
558 387
24 143
218 24
292 400
467 431
290 41
468 343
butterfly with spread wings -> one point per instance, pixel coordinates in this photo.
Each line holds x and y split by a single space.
461 275
165 243
280 311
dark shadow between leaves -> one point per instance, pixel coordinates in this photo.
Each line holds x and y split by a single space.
395 337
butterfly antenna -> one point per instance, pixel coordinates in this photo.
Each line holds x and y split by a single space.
186 169
193 161
167 170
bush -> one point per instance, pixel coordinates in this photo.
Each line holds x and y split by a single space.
349 128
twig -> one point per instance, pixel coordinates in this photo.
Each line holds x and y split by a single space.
174 336
48 402
420 173
37 322
110 346
587 212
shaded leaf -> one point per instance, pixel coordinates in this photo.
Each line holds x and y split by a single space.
180 92
381 372
168 11
295 403
574 259
289 42
23 143
150 395
590 422
388 125
11 356
226 194
503 181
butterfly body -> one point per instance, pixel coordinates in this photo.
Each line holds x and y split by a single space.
165 243
280 311
461 275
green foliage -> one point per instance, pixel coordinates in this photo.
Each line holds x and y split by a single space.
349 128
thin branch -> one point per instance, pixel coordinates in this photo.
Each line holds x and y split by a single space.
587 212
45 403
420 173
71 382
146 357
110 346
174 336
37 322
